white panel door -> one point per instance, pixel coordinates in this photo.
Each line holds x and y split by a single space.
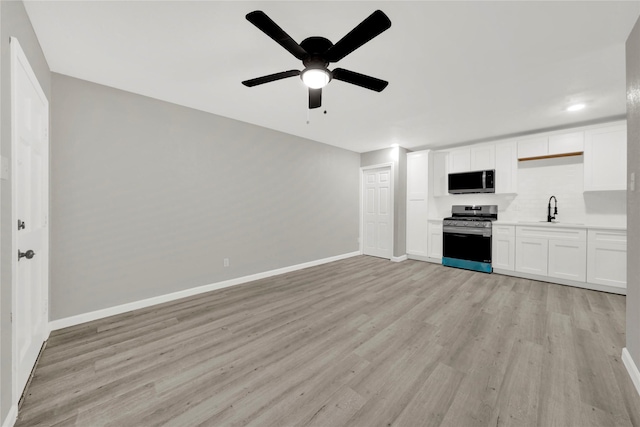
377 213
30 171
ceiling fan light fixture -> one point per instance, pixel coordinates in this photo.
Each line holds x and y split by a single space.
315 78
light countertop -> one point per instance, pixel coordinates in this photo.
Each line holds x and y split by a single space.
561 224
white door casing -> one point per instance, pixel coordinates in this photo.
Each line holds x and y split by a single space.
30 204
377 211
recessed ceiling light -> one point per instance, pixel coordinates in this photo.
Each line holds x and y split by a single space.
575 107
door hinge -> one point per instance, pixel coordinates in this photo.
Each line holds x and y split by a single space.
11 316
21 225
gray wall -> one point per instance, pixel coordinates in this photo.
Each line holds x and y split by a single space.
148 198
14 22
399 160
633 197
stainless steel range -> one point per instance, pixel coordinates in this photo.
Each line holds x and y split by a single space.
466 237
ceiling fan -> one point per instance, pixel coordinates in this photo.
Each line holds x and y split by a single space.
317 52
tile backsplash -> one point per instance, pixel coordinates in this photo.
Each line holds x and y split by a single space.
538 180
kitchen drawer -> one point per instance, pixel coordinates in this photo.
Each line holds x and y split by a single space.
552 232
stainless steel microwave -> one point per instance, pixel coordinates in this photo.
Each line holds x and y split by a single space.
472 182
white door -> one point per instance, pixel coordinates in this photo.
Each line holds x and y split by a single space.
30 176
377 212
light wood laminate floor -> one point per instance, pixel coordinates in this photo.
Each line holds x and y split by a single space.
358 342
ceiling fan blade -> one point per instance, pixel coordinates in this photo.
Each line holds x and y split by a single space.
270 28
358 79
374 25
271 78
315 98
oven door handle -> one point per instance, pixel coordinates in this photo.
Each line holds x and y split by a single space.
460 231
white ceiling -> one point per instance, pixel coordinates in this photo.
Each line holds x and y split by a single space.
457 71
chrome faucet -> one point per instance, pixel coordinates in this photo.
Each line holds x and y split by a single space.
555 209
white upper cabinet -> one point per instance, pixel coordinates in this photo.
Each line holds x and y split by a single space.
418 175
533 147
483 157
474 158
553 145
566 143
439 175
460 160
506 166
605 159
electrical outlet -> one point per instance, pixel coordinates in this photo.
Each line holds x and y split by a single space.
226 262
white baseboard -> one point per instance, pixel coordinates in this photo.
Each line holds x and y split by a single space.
399 258
119 309
584 285
424 258
11 417
631 368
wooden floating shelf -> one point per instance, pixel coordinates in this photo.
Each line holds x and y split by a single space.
552 156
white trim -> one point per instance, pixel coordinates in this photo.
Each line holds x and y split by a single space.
11 417
391 167
399 258
631 368
424 258
18 58
123 308
584 285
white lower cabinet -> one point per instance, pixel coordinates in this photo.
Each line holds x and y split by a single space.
532 255
417 232
552 251
607 257
503 247
435 239
568 260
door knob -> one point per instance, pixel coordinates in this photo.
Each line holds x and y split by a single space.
28 255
